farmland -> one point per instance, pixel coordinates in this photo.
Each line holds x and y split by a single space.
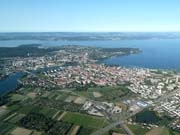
84 120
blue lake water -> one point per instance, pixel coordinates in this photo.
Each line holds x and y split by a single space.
10 83
157 53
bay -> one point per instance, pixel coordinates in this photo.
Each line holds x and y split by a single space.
10 83
156 53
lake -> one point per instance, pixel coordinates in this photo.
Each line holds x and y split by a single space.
157 53
10 83
147 117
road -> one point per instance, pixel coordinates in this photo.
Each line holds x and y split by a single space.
126 129
104 112
118 121
107 128
121 122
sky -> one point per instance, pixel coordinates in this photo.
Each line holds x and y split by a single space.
89 15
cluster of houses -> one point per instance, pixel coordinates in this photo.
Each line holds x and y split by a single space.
170 105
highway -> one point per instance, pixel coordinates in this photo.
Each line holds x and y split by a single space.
112 125
107 128
121 122
118 121
126 129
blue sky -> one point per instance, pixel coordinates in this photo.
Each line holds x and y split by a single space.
89 15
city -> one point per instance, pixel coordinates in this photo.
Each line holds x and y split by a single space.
62 85
89 67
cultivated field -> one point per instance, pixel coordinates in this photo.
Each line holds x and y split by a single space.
84 120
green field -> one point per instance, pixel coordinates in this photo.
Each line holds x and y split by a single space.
3 112
16 118
48 112
57 95
13 107
167 131
116 130
25 109
162 131
117 93
84 120
5 128
85 131
43 110
138 130
18 97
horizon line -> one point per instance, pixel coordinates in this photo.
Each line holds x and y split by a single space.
90 31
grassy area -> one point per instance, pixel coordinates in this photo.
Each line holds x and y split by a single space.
174 133
25 109
5 128
157 131
116 130
167 131
106 133
18 97
57 95
59 105
13 107
138 130
84 120
3 112
36 133
116 92
21 131
48 112
85 131
53 95
41 123
56 115
74 130
16 118
31 95
85 93
162 131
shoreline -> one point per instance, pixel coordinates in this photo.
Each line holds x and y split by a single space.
99 62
